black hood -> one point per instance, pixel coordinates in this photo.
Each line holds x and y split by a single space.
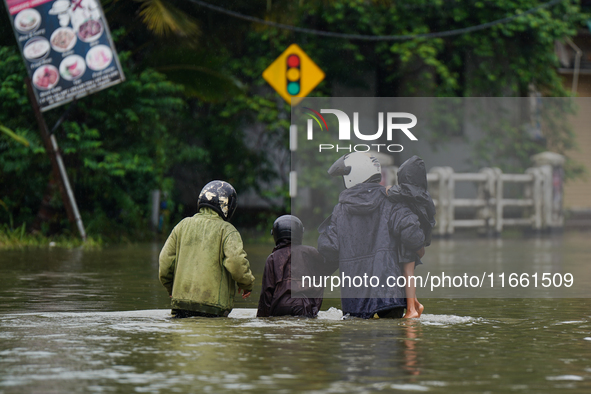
413 172
412 190
362 198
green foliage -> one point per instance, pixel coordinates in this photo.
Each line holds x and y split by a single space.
191 111
516 144
24 169
198 72
114 145
123 142
505 60
18 238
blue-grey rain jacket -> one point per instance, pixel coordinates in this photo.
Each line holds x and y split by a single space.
369 235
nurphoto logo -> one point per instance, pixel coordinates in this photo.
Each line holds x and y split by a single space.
345 130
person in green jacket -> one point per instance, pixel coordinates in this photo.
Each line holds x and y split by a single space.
203 258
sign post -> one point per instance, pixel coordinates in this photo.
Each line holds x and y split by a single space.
293 74
68 52
57 166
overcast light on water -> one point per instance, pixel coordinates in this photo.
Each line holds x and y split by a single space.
75 321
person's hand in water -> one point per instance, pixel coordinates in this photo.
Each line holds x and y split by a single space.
421 252
245 294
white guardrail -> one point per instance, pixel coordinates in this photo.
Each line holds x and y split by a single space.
537 199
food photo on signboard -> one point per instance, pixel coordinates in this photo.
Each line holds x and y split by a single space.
67 47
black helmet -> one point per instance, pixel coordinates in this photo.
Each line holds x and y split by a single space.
219 196
288 227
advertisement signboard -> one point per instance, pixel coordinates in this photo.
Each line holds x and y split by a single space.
67 48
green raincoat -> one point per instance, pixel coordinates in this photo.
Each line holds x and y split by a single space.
201 262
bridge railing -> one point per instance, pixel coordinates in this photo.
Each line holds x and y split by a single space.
538 205
490 202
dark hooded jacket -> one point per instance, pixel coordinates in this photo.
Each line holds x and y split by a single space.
412 192
276 293
364 234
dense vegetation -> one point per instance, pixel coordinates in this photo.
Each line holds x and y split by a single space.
195 108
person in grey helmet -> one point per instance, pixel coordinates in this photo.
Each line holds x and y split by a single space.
282 293
203 259
365 234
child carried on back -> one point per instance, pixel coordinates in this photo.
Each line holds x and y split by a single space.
412 191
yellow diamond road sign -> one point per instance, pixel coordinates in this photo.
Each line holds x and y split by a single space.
293 74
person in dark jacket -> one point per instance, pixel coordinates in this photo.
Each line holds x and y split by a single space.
412 192
279 284
365 234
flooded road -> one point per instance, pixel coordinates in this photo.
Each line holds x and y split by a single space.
75 321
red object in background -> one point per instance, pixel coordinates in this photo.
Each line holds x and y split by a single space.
293 61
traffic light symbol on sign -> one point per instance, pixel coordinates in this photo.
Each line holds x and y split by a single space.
293 75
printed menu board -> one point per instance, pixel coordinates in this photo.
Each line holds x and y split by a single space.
67 48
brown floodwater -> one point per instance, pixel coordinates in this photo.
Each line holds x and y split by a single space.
96 321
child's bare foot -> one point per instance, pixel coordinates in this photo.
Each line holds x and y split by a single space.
415 310
419 307
411 314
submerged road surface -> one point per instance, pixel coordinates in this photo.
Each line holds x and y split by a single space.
76 321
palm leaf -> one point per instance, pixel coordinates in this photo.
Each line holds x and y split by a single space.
201 82
163 18
202 75
14 136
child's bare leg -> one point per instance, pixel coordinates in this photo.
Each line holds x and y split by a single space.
413 307
419 306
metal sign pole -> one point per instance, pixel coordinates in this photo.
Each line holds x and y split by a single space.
57 165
